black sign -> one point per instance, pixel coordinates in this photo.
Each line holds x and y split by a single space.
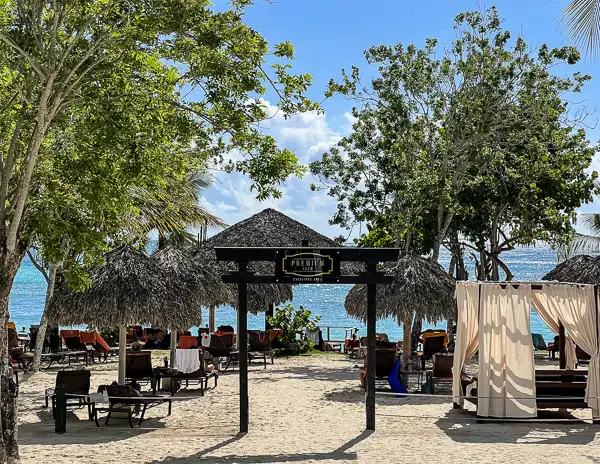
301 266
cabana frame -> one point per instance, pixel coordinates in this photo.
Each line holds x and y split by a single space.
537 286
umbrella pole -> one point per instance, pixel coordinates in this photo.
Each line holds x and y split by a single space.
173 359
211 320
122 353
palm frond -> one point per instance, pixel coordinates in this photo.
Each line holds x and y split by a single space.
585 244
592 222
582 19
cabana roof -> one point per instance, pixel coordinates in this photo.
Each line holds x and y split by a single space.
420 285
269 228
196 275
581 269
131 288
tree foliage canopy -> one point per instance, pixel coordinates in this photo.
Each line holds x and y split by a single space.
479 139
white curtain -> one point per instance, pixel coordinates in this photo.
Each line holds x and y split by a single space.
539 301
506 381
576 308
467 332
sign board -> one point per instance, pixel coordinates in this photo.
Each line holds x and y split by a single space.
308 267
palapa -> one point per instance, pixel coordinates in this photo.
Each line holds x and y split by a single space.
131 288
196 275
581 269
420 287
269 228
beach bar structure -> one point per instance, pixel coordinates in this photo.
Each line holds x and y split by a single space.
306 265
494 320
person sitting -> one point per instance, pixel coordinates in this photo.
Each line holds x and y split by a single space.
14 349
136 346
154 340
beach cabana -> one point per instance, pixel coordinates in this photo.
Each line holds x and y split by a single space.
131 288
420 287
494 320
269 228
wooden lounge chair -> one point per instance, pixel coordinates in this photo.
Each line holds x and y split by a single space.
199 377
72 382
384 365
138 369
432 345
260 346
123 401
221 347
442 370
74 344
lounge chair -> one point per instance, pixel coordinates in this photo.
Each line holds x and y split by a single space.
554 347
582 357
75 383
188 341
199 377
74 344
260 346
433 343
221 346
441 372
138 369
384 365
538 342
124 400
99 346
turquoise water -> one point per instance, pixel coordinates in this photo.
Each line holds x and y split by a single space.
327 301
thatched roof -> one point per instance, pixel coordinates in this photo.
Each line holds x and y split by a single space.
196 275
131 288
581 269
420 285
269 228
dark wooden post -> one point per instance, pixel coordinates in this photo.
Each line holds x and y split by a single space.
269 313
562 346
371 347
60 411
243 350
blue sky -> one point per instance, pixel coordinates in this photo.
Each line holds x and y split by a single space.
330 35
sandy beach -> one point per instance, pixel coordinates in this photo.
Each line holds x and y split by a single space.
308 409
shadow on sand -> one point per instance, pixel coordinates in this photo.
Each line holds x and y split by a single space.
339 454
461 427
81 431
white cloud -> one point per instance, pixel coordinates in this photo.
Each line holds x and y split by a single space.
308 135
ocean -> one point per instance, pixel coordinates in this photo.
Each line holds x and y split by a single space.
326 301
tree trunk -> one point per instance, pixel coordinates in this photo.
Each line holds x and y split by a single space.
406 327
41 336
9 450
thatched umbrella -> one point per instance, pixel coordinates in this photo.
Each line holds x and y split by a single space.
269 228
196 276
581 269
420 287
131 288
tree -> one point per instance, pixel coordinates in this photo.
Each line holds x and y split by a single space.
582 19
111 80
477 143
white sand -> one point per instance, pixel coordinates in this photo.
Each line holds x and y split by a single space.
304 410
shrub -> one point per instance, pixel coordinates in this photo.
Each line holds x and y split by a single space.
294 324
